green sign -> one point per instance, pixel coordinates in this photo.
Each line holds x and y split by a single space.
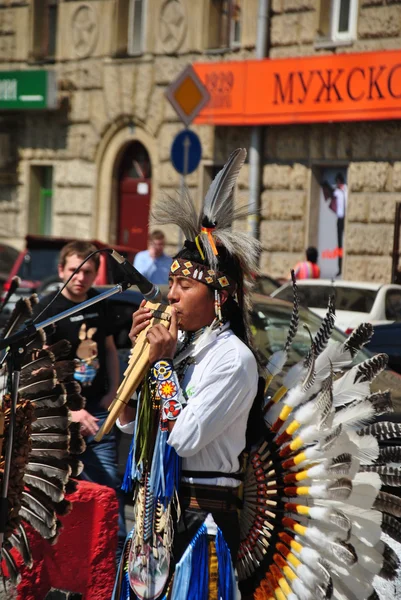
27 90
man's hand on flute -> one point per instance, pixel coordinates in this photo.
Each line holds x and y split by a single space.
162 341
140 320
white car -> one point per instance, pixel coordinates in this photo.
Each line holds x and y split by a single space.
355 301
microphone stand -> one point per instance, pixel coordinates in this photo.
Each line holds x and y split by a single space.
16 345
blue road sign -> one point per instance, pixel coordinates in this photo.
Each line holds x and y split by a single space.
186 152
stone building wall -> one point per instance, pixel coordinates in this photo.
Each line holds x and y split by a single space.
292 154
295 23
99 96
105 102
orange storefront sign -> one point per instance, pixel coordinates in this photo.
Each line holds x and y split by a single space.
343 87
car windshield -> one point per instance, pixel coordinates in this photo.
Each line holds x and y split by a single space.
317 296
39 264
270 324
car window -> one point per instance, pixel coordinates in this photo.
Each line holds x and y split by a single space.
393 305
39 264
270 324
317 296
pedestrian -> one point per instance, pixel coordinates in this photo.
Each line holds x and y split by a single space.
90 333
308 269
337 202
340 194
153 263
204 363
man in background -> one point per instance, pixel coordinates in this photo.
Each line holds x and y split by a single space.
308 269
153 263
340 194
97 367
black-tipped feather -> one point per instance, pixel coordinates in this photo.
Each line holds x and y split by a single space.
382 403
358 338
389 454
322 337
391 563
38 523
20 542
39 507
22 311
370 368
294 322
11 566
51 486
392 527
389 475
76 466
77 442
39 388
388 503
60 349
51 467
65 370
51 424
385 430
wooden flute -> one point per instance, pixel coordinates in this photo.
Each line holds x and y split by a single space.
136 369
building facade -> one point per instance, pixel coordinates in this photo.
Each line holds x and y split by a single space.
91 166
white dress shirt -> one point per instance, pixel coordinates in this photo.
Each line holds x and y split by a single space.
220 386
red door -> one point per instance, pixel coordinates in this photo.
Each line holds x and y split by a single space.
134 212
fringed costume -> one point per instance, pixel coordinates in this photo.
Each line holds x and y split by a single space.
251 495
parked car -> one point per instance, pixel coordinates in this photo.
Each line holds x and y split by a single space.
8 256
387 339
264 284
36 266
355 301
270 320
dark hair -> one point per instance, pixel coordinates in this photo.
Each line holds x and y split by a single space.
81 249
340 178
232 310
312 254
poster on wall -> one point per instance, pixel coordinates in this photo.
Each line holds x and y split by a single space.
332 210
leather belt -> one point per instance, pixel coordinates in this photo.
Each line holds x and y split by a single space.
210 497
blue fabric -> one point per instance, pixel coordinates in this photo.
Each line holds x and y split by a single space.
182 576
101 466
172 469
126 485
124 592
157 270
225 568
199 584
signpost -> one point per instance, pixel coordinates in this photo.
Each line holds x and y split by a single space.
188 96
28 90
186 152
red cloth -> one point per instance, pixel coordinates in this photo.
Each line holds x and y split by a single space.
83 558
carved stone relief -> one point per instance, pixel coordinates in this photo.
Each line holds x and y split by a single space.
172 25
84 30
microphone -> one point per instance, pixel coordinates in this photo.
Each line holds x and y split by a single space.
14 285
148 290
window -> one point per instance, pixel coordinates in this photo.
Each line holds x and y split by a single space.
393 305
40 205
317 296
136 26
337 21
224 24
44 29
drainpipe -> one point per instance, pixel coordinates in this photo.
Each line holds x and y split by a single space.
256 147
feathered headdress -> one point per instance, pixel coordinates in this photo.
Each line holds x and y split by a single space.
221 258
